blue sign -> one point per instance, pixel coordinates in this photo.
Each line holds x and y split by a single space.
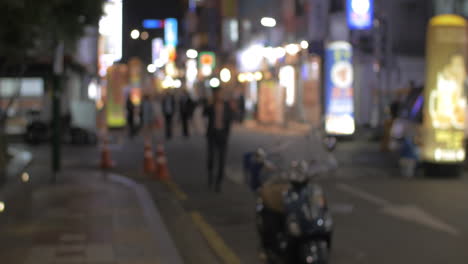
360 14
339 77
153 23
170 32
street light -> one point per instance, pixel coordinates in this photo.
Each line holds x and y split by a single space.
144 35
268 22
192 54
292 49
177 83
135 34
215 83
151 68
225 75
304 44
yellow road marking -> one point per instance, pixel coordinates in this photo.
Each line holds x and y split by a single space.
176 190
214 240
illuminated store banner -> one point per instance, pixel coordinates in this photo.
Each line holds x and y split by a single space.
339 106
157 46
444 110
170 32
110 39
117 79
360 14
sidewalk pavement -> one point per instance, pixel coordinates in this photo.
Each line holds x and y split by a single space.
88 216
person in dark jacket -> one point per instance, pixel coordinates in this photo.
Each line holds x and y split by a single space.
186 107
220 115
130 116
168 108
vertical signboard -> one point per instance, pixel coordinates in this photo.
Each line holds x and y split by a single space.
360 14
270 103
207 62
339 103
110 40
445 101
170 32
117 79
157 46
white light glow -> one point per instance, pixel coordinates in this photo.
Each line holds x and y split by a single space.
268 22
258 76
225 75
2 207
191 71
159 63
288 81
192 54
234 30
360 6
25 177
110 41
93 90
135 34
206 70
168 82
250 77
215 83
292 49
304 44
151 68
252 57
280 52
177 83
340 125
171 69
241 78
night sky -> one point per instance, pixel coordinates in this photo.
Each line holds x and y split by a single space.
133 14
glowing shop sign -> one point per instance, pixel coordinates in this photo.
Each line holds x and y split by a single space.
444 110
360 14
170 32
339 106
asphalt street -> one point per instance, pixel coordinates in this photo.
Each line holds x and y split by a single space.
380 216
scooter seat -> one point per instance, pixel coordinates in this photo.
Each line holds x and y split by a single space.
272 195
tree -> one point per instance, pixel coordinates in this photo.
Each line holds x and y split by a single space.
34 28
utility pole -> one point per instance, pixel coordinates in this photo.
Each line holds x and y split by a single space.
56 96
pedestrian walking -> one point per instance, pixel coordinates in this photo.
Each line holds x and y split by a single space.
130 116
241 106
220 115
186 107
168 109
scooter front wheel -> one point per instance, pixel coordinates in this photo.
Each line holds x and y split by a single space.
314 252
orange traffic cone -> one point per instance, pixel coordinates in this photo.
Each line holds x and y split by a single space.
161 171
148 161
106 161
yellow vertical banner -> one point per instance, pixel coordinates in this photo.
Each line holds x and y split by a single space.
445 99
117 79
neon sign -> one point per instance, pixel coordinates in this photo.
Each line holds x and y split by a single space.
360 14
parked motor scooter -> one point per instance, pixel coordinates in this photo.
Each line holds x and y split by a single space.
292 215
